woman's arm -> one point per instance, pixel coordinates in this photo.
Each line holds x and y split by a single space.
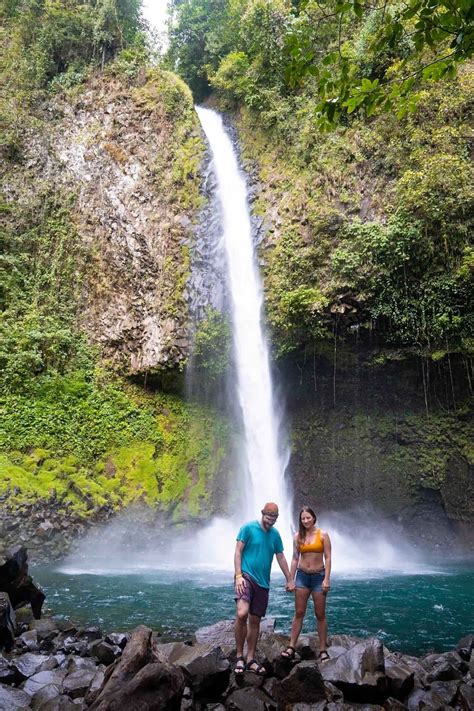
290 585
327 561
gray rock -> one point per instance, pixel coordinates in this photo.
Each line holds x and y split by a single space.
60 703
7 622
73 664
359 672
207 666
13 699
400 677
443 671
28 664
77 683
222 633
46 693
303 684
392 704
28 641
105 652
45 628
118 639
37 681
249 699
465 698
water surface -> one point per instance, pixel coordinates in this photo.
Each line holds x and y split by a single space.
413 613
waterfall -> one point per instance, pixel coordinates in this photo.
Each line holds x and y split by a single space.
263 459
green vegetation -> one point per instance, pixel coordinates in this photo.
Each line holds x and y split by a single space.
212 341
90 439
354 56
71 429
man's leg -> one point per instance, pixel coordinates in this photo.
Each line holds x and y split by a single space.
252 636
240 626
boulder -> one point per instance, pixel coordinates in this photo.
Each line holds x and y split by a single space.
28 664
46 693
60 703
139 681
15 581
7 675
359 672
303 684
105 652
465 646
400 677
13 699
37 681
465 697
28 641
96 685
118 639
250 699
206 665
77 683
222 633
7 622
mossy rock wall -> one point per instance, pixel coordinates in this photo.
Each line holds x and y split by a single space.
371 435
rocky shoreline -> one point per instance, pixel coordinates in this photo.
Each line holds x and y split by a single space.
56 666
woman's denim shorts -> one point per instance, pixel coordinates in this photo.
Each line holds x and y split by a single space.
312 581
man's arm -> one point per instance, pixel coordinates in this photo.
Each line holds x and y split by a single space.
238 577
290 583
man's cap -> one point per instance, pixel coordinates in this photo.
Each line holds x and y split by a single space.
270 507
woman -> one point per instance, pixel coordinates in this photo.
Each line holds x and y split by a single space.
312 564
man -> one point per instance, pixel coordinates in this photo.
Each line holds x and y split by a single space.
257 543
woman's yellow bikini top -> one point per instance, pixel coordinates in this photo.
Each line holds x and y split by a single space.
316 547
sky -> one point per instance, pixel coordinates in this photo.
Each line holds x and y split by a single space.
155 12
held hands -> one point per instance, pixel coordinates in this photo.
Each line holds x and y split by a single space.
290 586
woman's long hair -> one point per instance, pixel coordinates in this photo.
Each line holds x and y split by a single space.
301 528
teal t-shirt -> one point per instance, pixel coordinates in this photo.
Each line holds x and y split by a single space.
260 547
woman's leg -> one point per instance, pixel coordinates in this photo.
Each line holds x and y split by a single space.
319 600
301 600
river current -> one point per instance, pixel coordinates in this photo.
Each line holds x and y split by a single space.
414 613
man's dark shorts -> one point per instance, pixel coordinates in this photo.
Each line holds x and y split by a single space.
255 595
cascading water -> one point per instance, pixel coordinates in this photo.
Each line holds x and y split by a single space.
265 462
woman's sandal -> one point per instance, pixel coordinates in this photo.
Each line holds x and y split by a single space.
239 666
323 656
258 669
289 652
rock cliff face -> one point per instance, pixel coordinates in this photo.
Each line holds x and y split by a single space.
126 153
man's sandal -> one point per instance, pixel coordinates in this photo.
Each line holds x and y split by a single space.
239 666
323 656
255 668
289 652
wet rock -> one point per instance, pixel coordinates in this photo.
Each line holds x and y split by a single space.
303 684
7 622
465 646
206 665
465 697
443 671
359 672
222 633
60 703
105 652
13 698
400 677
249 700
139 681
44 629
15 581
28 641
77 683
28 664
73 664
95 685
46 693
117 639
90 634
447 690
37 681
7 675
